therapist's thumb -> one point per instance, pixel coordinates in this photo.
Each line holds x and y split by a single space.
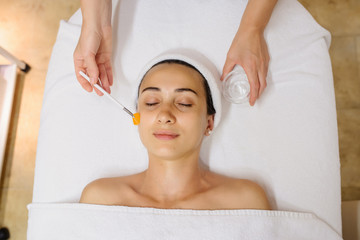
92 68
228 66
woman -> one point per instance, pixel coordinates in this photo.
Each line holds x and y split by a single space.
177 113
248 49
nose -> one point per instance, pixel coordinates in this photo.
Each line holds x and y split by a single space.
165 115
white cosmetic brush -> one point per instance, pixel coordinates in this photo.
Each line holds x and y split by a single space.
135 116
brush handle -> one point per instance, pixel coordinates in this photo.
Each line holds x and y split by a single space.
106 94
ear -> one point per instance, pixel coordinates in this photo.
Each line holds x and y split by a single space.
210 124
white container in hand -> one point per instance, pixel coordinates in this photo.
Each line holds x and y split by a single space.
235 86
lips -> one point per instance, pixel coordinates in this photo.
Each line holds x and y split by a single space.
165 135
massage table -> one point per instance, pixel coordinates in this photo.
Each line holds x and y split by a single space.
287 142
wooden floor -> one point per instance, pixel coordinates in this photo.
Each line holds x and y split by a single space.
28 29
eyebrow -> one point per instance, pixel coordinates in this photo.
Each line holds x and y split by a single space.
176 90
151 88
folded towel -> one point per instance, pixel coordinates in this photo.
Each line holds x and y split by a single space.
87 221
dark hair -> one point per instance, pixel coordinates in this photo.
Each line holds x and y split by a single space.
209 102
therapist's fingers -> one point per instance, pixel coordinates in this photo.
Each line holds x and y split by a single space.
228 67
83 82
254 83
108 69
262 78
104 79
98 92
92 71
79 66
264 67
91 68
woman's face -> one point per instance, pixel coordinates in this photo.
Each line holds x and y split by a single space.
172 106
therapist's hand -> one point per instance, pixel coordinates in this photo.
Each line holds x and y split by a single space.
92 54
249 50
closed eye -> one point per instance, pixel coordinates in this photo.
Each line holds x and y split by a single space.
185 105
151 104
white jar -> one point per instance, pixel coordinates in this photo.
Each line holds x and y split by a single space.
235 86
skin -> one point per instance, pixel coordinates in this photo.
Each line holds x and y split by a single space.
248 49
173 124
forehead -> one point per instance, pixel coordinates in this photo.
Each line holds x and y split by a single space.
168 75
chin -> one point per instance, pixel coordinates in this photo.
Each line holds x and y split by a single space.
166 153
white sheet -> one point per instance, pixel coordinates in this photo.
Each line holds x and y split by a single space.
287 142
119 222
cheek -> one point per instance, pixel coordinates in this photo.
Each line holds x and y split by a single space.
144 138
195 123
146 124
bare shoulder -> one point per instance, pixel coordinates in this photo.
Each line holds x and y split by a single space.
246 194
106 191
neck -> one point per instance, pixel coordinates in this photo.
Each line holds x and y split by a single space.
167 181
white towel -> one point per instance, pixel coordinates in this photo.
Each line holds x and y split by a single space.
86 221
287 142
